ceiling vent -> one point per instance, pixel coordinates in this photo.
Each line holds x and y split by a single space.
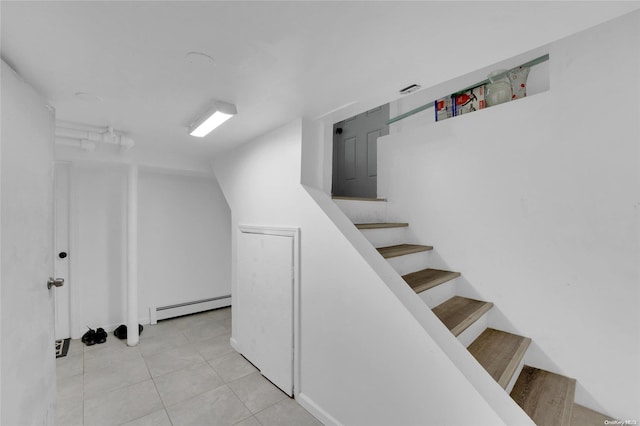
410 89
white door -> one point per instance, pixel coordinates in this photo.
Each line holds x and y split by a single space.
61 251
355 153
264 299
28 357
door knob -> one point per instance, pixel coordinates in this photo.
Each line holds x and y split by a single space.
58 282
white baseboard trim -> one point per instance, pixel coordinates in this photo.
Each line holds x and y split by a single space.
316 411
235 345
165 312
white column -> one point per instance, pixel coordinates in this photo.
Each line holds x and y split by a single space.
132 257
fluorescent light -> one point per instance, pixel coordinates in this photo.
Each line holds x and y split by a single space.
210 123
215 116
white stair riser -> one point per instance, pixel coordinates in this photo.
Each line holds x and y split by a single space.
439 294
410 262
474 330
364 211
386 236
513 380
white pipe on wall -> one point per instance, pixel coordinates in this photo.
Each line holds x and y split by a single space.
82 144
68 131
132 257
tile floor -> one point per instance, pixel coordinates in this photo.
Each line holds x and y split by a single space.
183 372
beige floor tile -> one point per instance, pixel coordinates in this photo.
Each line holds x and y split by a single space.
206 330
162 328
70 399
157 418
70 413
172 360
122 405
75 347
232 366
227 324
69 365
114 376
70 387
217 407
110 383
215 347
251 421
286 413
110 356
256 392
186 383
161 343
191 321
218 314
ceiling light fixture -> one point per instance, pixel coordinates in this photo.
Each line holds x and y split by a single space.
217 114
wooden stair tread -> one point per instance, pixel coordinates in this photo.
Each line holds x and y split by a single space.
546 397
401 250
499 353
428 278
583 416
381 225
458 313
341 197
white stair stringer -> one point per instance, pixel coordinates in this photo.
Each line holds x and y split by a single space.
390 271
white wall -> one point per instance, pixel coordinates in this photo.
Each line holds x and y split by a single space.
536 203
364 357
27 360
183 242
185 239
99 251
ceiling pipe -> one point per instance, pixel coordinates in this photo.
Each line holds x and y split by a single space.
84 137
80 144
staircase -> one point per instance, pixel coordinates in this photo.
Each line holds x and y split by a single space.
546 397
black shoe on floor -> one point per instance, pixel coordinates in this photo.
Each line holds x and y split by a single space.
89 338
100 335
121 331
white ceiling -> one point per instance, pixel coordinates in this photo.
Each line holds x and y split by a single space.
275 60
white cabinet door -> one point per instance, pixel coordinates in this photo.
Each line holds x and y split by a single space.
264 303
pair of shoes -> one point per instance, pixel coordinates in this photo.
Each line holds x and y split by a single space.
121 331
89 338
92 336
101 335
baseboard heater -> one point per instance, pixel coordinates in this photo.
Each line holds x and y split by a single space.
163 312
